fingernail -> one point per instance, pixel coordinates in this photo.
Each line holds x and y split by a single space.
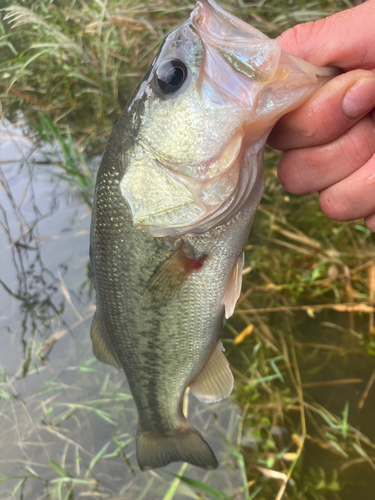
359 99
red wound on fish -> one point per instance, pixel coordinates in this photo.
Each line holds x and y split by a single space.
171 274
193 264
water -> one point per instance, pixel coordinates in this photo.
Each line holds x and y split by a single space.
67 422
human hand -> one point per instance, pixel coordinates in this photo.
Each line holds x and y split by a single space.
329 142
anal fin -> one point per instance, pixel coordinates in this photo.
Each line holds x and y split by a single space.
215 381
101 351
233 290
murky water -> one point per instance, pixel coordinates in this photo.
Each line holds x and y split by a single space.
67 422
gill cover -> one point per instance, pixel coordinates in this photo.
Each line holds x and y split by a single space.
212 95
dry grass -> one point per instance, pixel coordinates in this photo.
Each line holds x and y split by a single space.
301 342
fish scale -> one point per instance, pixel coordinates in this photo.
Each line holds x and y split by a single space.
176 194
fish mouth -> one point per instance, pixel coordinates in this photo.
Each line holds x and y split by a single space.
209 17
239 59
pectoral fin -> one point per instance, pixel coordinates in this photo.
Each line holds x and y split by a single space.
233 290
171 274
101 351
215 381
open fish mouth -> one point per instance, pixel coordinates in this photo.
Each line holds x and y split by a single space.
228 41
210 17
258 61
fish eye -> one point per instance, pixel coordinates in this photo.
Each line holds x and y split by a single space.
171 75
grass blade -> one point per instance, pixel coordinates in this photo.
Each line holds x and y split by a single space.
215 494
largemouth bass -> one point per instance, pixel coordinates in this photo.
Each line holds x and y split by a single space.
175 197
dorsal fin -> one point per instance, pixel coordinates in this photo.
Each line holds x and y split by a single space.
215 381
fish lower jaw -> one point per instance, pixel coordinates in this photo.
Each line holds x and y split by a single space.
177 204
209 169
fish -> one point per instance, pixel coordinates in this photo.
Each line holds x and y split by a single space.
175 197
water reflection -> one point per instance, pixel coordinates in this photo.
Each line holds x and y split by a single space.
66 420
33 303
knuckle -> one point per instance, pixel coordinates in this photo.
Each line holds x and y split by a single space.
362 150
352 153
294 39
334 204
316 29
289 173
358 146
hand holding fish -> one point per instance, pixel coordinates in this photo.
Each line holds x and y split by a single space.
329 142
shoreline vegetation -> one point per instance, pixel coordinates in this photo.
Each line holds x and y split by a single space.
302 340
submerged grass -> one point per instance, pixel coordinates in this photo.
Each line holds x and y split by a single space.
301 342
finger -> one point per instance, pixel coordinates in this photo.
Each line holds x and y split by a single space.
344 40
308 170
370 222
329 113
353 197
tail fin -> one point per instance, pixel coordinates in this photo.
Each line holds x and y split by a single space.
184 444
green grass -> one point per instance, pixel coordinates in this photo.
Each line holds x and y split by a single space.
81 60
304 371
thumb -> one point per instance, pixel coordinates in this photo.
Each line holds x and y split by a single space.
345 40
